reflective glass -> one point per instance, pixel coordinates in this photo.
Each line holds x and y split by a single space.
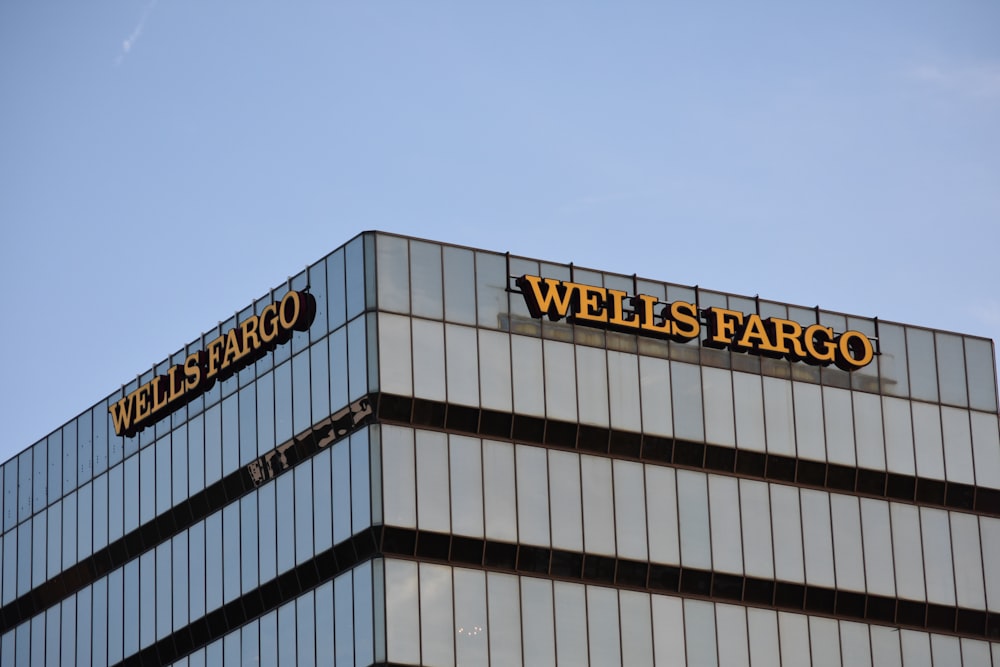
491 289
428 363
603 625
724 503
848 557
462 365
532 495
654 378
356 279
636 628
922 366
503 609
668 631
495 371
459 285
808 414
147 482
824 636
301 400
951 369
571 623
466 475
700 632
981 374
877 541
526 360
179 581
870 444
267 532
957 445
817 537
560 377
936 536
733 643
285 520
55 460
305 624
336 290
793 634
247 424
395 364
303 516
898 436
927 440
661 515
592 385
393 273
537 629
966 551
630 510
687 401
471 633
885 646
598 506
425 279
839 423
916 648
214 561
749 410
755 513
762 630
717 386
692 501
907 551
500 493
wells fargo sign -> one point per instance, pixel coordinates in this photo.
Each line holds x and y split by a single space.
681 321
235 349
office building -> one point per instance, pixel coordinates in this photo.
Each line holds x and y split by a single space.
413 453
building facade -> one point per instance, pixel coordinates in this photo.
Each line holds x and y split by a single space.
414 453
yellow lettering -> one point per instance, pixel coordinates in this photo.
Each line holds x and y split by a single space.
122 414
591 306
269 324
785 332
175 383
194 370
251 339
233 352
755 335
617 315
142 404
215 350
855 351
553 301
644 305
827 348
722 324
285 319
159 394
685 320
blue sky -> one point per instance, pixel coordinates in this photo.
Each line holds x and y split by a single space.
163 163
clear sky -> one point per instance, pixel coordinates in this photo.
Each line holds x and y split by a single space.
164 162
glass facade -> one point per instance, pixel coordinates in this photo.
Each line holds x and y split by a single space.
430 474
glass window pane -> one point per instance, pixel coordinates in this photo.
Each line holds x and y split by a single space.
466 485
922 366
432 482
692 501
668 631
398 478
717 385
793 634
425 279
495 371
898 436
951 369
762 630
459 285
877 546
927 440
700 632
982 374
503 609
957 445
395 365
868 430
393 273
537 622
892 360
839 422
571 623
559 367
968 563
733 643
630 510
724 502
491 290
462 365
471 636
755 512
532 495
654 378
428 365
687 401
936 536
598 506
907 550
848 557
818 537
623 381
592 385
661 515
603 626
500 492
808 413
